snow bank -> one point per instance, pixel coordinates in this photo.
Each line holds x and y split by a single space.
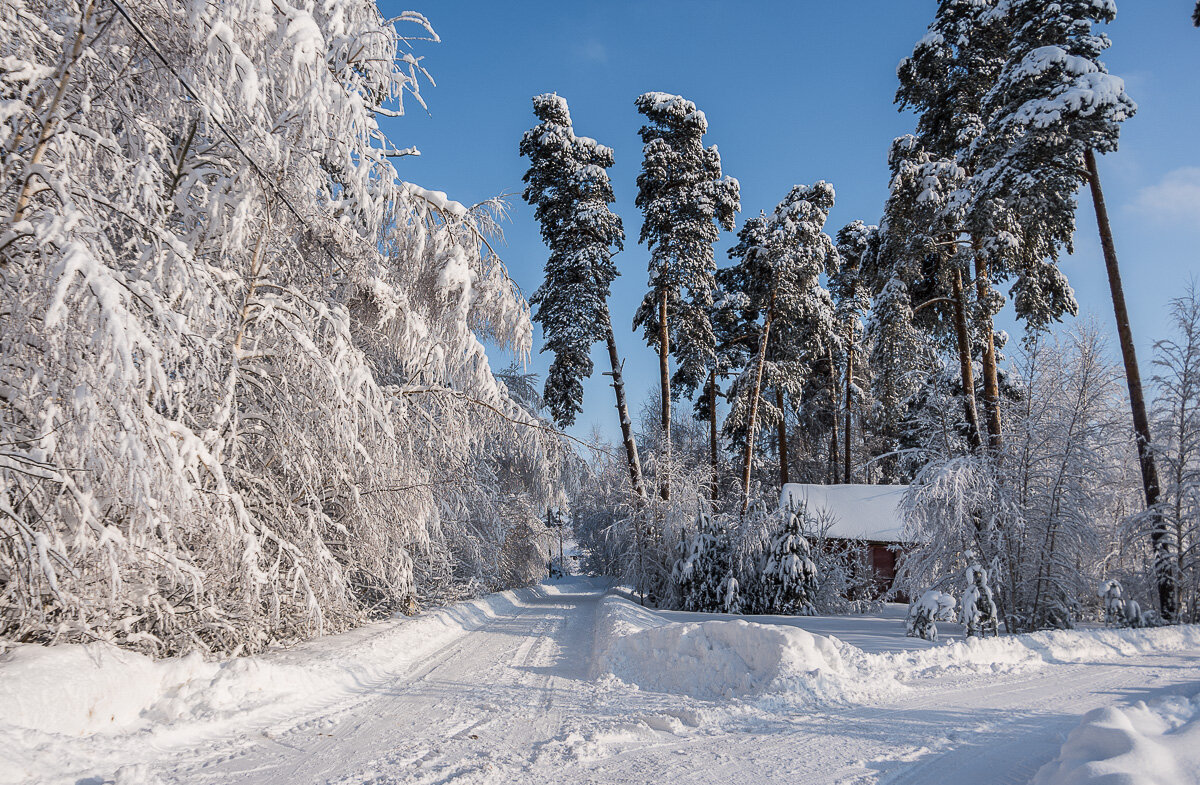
1011 653
728 658
1157 744
96 689
733 658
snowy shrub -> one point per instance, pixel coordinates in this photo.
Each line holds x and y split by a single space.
978 607
1114 606
923 615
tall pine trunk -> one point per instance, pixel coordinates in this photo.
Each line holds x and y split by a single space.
618 384
712 431
833 428
1137 400
846 468
664 374
781 434
963 337
991 374
755 392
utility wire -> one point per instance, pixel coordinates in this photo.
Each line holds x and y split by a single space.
137 28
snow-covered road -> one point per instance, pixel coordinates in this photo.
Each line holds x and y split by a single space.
523 691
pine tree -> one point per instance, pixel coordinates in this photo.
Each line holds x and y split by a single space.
852 302
568 185
919 246
950 71
1053 107
684 200
789 577
780 259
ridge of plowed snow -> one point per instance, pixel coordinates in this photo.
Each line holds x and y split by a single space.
733 658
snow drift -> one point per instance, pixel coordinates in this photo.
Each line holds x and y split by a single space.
1142 744
733 658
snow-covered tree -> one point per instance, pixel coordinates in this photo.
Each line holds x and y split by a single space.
852 301
788 579
780 259
685 200
568 184
235 342
1177 380
919 246
945 79
978 608
1114 606
932 606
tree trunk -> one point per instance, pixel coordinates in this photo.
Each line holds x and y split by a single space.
963 336
782 436
50 124
752 420
846 473
712 430
833 428
664 373
1137 401
991 375
618 384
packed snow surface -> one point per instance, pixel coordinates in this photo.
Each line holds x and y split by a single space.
573 680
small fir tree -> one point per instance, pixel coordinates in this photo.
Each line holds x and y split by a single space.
978 606
789 577
923 615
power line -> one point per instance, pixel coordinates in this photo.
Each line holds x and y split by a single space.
191 91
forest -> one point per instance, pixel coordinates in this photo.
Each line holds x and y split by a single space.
246 396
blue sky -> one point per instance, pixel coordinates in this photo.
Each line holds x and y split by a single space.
794 92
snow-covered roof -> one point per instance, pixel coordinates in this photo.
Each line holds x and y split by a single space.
861 512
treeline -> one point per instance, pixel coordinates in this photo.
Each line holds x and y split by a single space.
870 354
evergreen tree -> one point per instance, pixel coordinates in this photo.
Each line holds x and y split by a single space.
950 71
780 259
789 577
1053 107
684 200
568 185
978 607
919 246
852 302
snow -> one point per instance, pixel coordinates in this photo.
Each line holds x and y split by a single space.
570 680
861 512
1155 744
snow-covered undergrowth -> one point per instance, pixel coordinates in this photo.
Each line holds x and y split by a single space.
769 664
1156 744
97 689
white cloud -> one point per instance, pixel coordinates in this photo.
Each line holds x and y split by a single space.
1174 201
